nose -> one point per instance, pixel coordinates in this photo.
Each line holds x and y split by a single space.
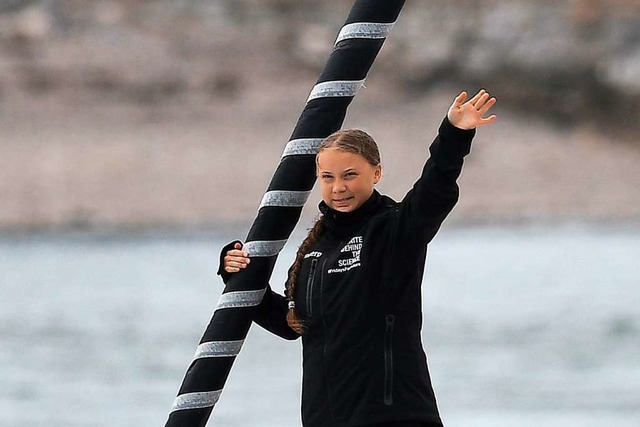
339 186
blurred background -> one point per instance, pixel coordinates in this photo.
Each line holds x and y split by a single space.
138 136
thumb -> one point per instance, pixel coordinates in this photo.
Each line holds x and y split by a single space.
237 246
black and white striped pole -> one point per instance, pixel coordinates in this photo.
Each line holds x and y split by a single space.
355 50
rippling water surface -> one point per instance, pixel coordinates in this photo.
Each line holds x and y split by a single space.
523 327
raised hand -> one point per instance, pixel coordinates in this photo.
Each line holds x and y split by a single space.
470 114
235 259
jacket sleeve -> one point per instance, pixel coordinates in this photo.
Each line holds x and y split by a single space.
436 192
271 315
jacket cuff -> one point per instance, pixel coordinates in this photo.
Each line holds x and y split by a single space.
456 142
223 252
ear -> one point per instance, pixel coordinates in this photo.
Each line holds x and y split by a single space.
377 174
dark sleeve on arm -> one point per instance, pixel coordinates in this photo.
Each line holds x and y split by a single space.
223 252
271 314
436 192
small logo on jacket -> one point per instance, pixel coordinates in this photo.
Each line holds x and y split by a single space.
314 254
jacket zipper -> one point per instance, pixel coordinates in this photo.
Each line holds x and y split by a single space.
324 344
310 281
388 360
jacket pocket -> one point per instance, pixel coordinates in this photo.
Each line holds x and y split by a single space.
388 360
310 281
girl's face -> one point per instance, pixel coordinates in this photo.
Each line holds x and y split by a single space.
346 179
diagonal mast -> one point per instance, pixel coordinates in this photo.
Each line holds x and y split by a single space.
355 50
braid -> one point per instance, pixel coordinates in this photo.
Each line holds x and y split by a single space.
314 234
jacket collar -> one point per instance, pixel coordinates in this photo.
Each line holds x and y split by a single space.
348 221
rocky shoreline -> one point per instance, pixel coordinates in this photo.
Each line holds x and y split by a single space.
87 166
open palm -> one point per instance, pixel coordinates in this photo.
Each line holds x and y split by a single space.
470 114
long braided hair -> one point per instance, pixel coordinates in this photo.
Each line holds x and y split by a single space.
351 141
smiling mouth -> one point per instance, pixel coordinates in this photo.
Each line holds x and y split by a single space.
346 199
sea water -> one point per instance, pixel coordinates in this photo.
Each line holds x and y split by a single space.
523 326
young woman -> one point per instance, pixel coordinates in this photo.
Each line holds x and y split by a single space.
354 290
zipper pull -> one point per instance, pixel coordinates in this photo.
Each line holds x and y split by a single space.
390 318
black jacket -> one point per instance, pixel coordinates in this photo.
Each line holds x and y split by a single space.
359 294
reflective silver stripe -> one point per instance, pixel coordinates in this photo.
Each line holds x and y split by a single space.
264 247
284 198
218 349
297 147
335 88
240 299
203 399
365 30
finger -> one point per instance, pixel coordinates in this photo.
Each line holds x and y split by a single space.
492 118
238 245
481 101
238 266
477 96
239 258
237 261
487 105
231 269
237 254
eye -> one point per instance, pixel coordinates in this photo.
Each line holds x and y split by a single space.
326 177
351 174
